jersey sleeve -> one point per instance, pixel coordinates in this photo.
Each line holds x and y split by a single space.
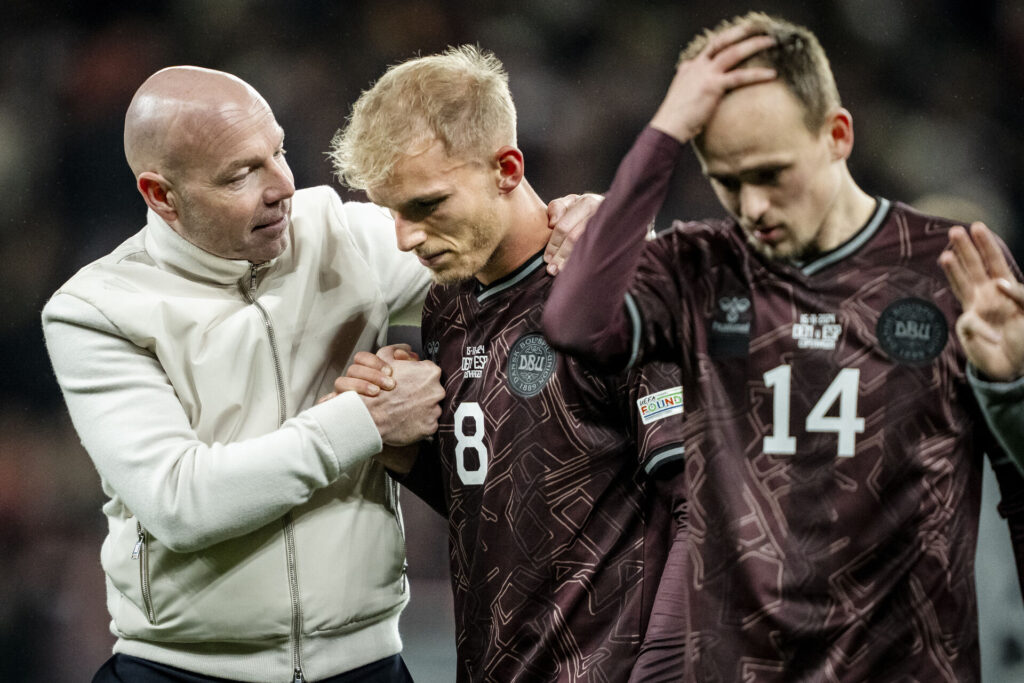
600 329
662 654
656 401
1002 404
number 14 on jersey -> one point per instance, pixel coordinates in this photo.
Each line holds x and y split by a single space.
846 425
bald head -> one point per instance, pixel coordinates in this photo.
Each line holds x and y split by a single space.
174 109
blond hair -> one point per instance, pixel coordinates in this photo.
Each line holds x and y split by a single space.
459 97
797 57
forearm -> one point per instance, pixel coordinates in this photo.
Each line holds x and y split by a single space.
1011 507
188 492
1002 404
586 314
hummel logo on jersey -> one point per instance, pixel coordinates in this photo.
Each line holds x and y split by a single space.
817 331
433 346
733 306
730 327
474 360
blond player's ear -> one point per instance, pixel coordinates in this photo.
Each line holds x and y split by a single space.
510 168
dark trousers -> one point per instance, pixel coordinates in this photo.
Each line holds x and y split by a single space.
127 669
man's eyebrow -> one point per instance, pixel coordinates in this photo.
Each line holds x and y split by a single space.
246 162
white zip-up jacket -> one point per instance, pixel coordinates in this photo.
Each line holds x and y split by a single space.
251 535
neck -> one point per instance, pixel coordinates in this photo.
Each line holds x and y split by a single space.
526 216
850 211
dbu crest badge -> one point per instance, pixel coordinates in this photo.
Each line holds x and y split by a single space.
531 362
912 331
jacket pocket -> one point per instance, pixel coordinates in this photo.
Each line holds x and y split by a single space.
140 553
126 558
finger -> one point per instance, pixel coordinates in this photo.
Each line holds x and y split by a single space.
993 257
361 387
388 353
371 376
967 252
736 53
569 227
372 361
727 38
1014 290
957 276
558 207
562 255
406 354
554 244
326 397
739 78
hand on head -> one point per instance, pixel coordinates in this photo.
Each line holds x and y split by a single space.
700 83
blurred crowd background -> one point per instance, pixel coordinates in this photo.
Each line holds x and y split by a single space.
936 88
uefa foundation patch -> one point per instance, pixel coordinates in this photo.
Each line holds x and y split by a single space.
912 331
531 362
663 404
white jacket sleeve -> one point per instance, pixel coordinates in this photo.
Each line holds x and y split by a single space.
187 493
402 279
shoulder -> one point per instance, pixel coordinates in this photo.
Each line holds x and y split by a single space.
113 270
323 203
699 244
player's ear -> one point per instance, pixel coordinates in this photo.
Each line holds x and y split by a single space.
510 168
156 191
838 130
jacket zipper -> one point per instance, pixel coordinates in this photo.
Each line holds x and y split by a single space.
289 533
140 552
396 510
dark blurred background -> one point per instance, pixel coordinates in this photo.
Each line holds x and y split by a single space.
936 88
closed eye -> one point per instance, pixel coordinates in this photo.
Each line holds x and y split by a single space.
417 209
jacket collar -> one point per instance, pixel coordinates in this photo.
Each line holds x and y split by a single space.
173 252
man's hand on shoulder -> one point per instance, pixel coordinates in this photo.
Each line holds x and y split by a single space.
567 218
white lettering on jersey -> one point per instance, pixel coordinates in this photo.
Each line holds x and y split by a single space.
817 331
474 360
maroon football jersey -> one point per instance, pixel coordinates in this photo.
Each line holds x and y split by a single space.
834 481
556 540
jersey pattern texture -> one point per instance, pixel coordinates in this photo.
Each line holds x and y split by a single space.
556 540
833 524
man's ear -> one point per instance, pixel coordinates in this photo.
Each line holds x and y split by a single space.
156 191
510 168
839 130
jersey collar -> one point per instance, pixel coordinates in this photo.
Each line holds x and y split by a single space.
851 245
485 292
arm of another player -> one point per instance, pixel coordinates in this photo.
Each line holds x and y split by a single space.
991 330
600 328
